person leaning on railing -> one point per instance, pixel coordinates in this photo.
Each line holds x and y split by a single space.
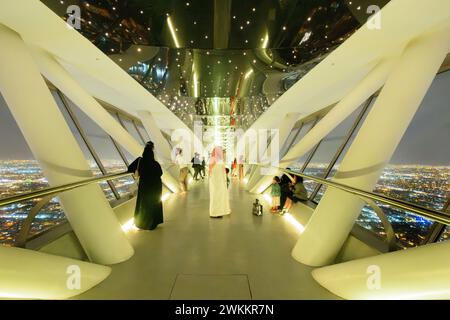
296 192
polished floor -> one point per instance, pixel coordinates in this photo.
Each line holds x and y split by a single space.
192 256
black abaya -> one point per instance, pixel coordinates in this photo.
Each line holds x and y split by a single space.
149 211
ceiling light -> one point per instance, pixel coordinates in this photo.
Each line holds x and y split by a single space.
172 31
248 74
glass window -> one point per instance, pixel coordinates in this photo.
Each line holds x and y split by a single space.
335 167
105 149
327 149
303 131
126 154
132 129
143 132
289 140
20 173
419 170
47 218
87 154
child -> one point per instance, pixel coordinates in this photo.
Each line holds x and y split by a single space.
275 193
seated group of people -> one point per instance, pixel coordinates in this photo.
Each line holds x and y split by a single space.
287 191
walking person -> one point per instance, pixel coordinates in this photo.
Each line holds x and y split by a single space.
149 210
203 168
196 165
219 204
234 168
184 170
241 168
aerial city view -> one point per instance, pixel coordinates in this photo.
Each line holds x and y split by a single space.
428 186
425 185
21 176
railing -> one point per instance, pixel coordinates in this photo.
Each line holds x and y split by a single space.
46 195
428 213
370 198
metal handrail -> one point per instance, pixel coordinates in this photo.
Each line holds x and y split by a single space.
58 189
438 216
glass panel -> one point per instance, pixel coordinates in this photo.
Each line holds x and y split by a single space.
143 132
127 155
322 189
87 154
131 129
338 161
288 141
303 131
105 149
49 216
19 173
320 193
369 220
327 150
419 170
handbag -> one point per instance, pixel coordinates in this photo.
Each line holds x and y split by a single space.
257 209
136 174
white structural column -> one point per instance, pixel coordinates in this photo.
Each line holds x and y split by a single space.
53 71
352 101
284 128
58 153
372 148
162 146
416 273
28 274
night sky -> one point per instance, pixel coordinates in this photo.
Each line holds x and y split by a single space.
425 142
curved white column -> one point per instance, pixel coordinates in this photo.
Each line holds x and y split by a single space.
162 149
54 72
58 153
352 101
284 128
27 274
372 148
417 273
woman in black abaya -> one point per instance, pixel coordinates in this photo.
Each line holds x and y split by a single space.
149 211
